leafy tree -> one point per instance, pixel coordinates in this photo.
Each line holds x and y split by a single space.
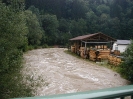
115 27
92 21
63 25
50 24
78 9
35 31
64 31
82 28
78 27
13 41
130 29
104 17
103 9
36 12
126 68
116 10
17 5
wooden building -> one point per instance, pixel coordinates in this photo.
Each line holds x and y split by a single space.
93 46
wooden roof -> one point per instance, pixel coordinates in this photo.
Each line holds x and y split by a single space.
94 37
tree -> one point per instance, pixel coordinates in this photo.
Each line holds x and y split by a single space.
50 24
126 68
78 9
63 25
116 10
115 27
17 5
13 41
78 27
130 29
35 31
103 9
92 22
35 11
82 28
64 29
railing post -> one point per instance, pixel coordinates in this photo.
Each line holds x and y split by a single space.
131 96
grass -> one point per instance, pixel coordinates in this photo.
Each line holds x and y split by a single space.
103 63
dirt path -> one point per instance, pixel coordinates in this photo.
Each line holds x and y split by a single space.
64 73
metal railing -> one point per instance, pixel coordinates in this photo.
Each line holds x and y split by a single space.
109 93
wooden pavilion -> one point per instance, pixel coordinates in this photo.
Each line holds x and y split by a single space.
92 43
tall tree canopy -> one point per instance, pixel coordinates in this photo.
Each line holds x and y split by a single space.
112 17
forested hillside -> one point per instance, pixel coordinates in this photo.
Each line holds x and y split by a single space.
53 22
63 19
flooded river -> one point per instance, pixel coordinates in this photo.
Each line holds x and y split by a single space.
55 72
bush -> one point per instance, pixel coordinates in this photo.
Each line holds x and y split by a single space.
30 47
11 84
45 46
126 68
12 43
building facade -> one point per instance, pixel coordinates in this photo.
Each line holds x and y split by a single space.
121 45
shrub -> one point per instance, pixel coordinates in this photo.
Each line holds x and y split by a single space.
126 68
45 46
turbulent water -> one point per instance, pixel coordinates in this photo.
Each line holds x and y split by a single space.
55 72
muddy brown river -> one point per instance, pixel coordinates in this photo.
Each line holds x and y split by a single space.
52 71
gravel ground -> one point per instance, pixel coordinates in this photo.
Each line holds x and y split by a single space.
52 71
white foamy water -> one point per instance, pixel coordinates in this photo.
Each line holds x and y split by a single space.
58 73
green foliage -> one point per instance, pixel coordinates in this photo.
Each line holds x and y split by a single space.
11 83
35 31
78 27
61 17
36 12
50 24
45 46
16 5
12 31
126 68
63 25
92 21
12 42
103 9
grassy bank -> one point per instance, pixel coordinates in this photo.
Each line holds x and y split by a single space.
104 63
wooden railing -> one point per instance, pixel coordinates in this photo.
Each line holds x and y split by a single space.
109 93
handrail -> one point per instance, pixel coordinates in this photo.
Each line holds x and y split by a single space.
109 93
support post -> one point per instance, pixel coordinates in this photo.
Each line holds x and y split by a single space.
85 48
81 43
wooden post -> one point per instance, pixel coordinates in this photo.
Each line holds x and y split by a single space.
81 43
85 48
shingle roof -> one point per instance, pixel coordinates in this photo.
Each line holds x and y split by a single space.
123 42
